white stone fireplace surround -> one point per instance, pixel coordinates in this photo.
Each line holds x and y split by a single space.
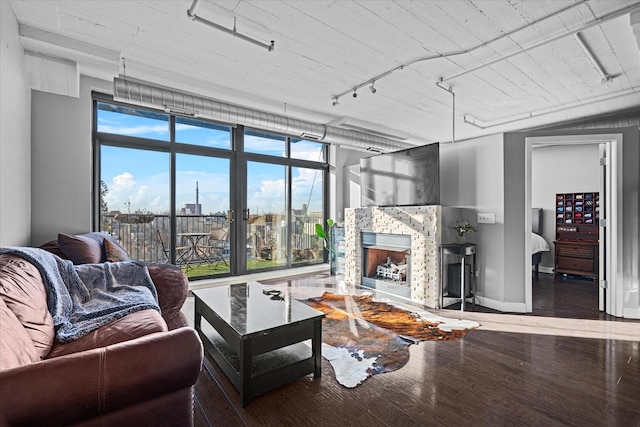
422 223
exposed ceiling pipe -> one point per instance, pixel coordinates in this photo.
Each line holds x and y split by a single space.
173 101
596 21
532 114
453 114
335 98
604 77
191 13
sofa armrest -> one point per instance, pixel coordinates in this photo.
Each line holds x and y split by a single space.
72 388
172 286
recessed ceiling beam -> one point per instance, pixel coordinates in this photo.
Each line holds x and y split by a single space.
48 37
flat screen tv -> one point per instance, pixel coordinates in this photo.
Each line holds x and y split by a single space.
408 177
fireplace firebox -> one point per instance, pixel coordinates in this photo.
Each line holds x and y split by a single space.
387 263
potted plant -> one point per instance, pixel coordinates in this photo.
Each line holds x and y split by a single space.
326 240
462 227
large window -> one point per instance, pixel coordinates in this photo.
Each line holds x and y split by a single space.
213 198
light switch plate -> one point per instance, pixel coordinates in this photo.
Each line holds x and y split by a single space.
486 218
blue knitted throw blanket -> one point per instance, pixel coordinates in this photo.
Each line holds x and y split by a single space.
82 298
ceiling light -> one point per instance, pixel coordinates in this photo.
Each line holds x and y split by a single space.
372 88
335 101
355 95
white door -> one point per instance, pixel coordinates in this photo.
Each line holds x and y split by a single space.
602 267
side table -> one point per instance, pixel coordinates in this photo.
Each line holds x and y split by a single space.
463 252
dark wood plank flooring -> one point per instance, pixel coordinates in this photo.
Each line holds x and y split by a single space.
488 378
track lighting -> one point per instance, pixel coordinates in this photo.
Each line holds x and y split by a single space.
372 88
355 95
335 101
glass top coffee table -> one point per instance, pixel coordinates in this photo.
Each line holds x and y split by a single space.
257 338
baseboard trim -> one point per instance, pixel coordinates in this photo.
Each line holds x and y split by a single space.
631 313
505 306
548 270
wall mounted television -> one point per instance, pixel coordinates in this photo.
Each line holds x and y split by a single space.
408 177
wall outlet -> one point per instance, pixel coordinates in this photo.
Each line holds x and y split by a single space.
486 218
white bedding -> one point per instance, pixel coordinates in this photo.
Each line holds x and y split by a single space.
538 244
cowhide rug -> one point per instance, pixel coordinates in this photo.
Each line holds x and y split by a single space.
362 337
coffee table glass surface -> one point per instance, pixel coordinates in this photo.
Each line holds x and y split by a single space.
248 310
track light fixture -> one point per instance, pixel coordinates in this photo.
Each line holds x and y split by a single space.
372 88
355 95
335 101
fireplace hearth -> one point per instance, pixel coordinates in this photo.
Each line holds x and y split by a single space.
386 263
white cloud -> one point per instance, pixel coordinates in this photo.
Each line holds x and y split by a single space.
123 181
134 130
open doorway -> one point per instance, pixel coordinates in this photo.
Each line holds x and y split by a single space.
581 169
566 284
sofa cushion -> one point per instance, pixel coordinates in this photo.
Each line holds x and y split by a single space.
131 326
23 291
87 248
173 286
16 347
115 252
52 246
80 249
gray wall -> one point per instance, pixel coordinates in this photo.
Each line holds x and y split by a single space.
15 137
62 162
471 178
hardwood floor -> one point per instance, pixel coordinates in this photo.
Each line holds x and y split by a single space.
517 374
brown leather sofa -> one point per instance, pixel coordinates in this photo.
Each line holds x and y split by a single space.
137 370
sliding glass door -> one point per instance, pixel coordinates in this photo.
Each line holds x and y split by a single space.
202 189
266 215
213 199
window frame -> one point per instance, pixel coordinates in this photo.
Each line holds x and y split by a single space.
238 160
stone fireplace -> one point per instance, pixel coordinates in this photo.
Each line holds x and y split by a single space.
386 262
416 232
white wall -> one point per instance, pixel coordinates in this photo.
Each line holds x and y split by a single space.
471 177
561 169
15 137
62 162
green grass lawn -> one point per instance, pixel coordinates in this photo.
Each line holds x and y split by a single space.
197 270
201 270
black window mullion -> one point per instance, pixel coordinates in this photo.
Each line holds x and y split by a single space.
289 213
172 189
240 201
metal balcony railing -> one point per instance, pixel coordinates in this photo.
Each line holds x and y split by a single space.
146 237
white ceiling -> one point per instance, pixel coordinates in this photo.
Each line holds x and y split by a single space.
514 64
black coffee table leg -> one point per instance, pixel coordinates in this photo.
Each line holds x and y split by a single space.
246 363
316 345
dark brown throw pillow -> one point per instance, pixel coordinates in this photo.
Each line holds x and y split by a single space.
115 253
52 246
80 249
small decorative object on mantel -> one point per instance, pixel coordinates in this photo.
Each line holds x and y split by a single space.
462 228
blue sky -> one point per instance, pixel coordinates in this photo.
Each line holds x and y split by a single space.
138 180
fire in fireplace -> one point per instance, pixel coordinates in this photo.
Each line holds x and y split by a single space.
386 263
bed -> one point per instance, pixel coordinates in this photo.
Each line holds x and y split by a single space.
538 243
